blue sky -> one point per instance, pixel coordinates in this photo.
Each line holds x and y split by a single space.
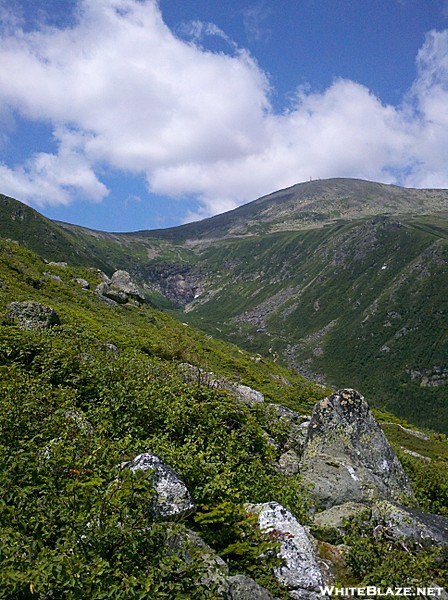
135 114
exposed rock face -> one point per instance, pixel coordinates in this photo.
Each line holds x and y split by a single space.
332 522
300 573
403 522
243 393
288 463
180 283
172 499
120 289
347 457
33 315
187 544
245 588
295 427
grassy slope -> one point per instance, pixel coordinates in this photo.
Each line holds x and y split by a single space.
363 303
336 320
60 501
134 401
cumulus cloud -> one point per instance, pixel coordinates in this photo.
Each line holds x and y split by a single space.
122 91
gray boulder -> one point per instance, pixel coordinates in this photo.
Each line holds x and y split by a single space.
83 283
331 524
245 588
410 523
347 457
189 546
291 428
243 393
121 280
52 277
106 291
300 572
214 576
33 315
172 499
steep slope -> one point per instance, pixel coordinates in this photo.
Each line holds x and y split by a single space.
344 280
90 398
363 301
312 204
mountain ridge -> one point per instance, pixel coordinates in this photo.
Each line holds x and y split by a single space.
354 293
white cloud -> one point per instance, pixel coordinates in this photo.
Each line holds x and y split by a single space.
122 91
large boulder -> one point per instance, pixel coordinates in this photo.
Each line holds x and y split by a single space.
411 523
332 524
289 431
104 290
188 546
347 457
300 572
121 280
172 499
33 315
214 577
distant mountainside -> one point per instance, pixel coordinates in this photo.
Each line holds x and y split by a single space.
313 204
345 280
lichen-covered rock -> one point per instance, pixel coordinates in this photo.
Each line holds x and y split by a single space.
288 463
188 545
121 280
33 315
332 523
299 573
347 456
293 428
245 588
172 499
105 291
411 523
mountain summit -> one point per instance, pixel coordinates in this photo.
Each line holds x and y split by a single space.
315 204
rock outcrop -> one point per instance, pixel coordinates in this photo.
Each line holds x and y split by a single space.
121 280
187 544
291 431
172 499
332 524
243 393
347 456
245 588
120 289
300 572
411 523
33 315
